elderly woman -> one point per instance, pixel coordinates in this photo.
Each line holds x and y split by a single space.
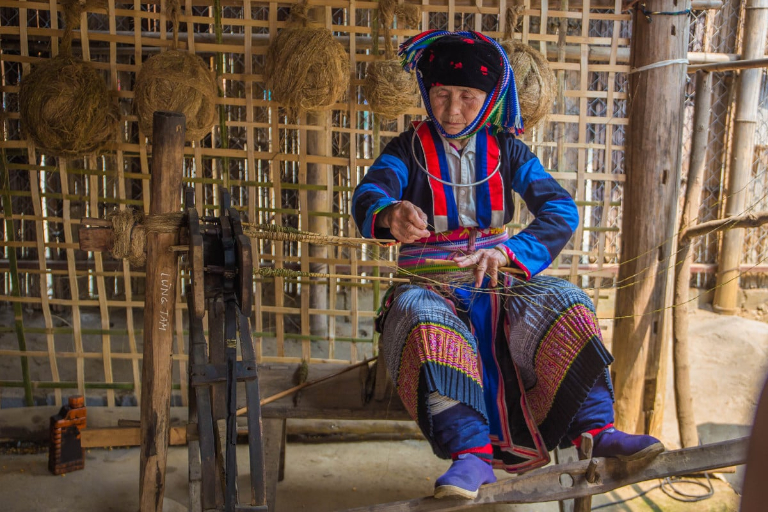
496 369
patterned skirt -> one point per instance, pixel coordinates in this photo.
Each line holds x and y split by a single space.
524 355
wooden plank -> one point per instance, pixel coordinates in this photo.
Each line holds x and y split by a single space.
544 484
125 436
309 430
274 444
159 310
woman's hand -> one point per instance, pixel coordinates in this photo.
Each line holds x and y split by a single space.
488 262
405 220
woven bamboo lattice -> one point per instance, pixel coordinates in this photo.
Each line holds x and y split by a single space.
73 319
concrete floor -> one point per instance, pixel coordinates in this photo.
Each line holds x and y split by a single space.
318 478
729 364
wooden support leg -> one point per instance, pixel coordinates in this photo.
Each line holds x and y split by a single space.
281 472
274 445
160 304
585 452
255 427
202 417
217 356
564 456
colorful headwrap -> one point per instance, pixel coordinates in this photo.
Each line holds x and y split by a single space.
501 109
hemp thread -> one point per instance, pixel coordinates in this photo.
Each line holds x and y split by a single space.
126 243
131 244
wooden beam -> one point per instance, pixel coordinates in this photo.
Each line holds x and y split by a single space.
160 304
305 431
544 484
653 167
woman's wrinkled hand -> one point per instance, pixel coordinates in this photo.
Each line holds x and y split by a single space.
405 220
488 262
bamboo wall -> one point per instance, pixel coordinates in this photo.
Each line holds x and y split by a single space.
72 320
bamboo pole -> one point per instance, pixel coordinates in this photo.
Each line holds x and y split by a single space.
730 66
742 153
318 143
154 41
686 422
18 312
650 208
160 304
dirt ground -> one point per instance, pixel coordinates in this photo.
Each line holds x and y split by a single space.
728 367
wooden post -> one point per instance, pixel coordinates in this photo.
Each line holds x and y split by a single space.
653 159
742 153
318 143
686 422
159 306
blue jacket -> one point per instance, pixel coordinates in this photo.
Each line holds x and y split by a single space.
395 176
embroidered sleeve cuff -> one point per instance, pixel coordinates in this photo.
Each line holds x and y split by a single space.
514 261
369 226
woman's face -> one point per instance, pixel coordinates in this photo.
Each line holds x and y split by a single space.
454 107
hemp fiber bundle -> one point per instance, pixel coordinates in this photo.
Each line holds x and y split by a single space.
306 68
64 103
390 90
536 85
176 81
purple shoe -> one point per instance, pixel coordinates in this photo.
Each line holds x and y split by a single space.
626 447
464 478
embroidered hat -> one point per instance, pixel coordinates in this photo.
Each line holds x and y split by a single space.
439 58
461 61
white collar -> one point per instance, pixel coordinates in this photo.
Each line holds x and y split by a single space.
449 146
